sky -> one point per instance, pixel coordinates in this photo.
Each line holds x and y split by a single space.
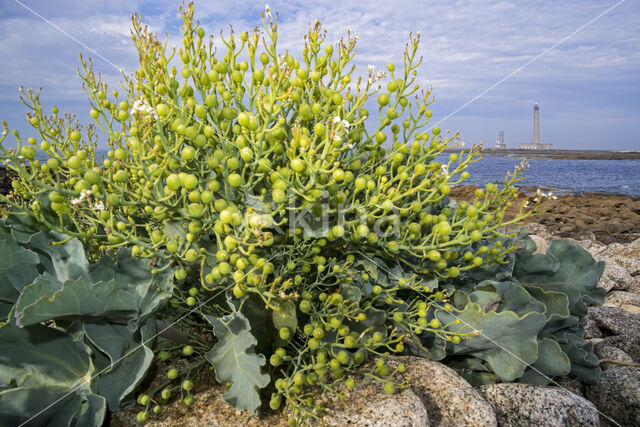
488 62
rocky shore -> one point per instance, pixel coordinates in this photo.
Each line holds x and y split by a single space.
607 218
438 396
561 154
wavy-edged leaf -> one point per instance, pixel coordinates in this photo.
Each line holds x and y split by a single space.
235 361
45 376
39 356
508 342
131 292
126 363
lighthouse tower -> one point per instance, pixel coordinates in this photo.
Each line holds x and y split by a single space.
536 124
536 145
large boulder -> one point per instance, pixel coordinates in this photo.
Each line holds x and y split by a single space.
608 352
531 405
449 399
615 319
615 277
627 255
630 344
368 405
617 395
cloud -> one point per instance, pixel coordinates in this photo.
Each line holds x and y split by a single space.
467 46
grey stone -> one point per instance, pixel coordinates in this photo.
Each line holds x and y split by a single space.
626 255
617 395
591 330
633 309
368 405
539 230
449 399
635 285
590 245
620 298
614 277
615 319
608 352
531 405
630 344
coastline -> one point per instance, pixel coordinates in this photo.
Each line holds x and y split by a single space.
607 218
559 154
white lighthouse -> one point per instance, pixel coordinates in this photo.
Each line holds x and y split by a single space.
535 145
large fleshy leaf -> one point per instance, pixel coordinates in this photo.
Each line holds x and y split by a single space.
131 291
575 274
46 378
17 265
584 363
41 356
508 342
551 362
126 363
235 361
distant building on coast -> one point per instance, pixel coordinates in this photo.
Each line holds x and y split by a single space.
535 145
500 145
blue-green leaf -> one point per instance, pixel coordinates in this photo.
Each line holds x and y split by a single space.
235 361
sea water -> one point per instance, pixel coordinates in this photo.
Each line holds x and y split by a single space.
561 175
564 176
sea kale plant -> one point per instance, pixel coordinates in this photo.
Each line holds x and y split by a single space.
282 220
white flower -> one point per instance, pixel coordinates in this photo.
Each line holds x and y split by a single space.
142 106
336 120
527 204
350 146
76 201
99 205
20 158
267 11
554 197
85 193
536 200
345 124
337 138
372 69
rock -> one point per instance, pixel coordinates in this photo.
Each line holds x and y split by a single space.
614 277
530 405
615 319
541 244
630 344
591 330
368 405
608 352
633 309
571 383
539 230
590 245
449 399
635 285
620 298
617 395
626 255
